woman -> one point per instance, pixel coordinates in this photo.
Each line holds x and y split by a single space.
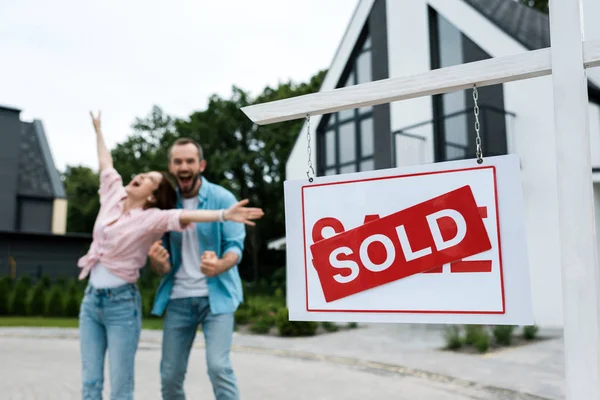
130 219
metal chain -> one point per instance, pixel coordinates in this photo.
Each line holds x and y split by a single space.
310 172
478 151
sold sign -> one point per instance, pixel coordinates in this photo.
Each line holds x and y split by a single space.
411 241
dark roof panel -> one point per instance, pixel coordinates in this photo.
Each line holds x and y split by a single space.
527 25
38 176
58 188
9 108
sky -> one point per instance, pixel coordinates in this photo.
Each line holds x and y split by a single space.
63 58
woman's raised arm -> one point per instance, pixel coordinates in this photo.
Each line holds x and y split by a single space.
104 157
235 213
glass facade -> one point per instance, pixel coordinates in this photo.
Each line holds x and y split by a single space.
346 138
453 112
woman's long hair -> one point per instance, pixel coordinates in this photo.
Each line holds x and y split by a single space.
165 195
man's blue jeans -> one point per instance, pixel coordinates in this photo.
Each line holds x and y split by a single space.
183 316
109 319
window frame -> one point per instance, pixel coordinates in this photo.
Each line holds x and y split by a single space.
332 122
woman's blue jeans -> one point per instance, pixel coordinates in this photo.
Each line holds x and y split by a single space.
109 320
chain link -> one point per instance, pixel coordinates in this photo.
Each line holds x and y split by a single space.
478 151
310 172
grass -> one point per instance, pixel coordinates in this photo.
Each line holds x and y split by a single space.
47 322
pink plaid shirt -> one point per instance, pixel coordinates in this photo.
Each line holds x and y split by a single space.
123 246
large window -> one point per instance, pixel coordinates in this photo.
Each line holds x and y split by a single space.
453 112
346 138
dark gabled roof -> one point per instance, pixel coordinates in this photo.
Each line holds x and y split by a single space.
58 189
38 176
9 108
527 25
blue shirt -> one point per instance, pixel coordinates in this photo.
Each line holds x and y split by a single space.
224 290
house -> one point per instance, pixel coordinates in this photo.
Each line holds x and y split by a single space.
390 38
33 201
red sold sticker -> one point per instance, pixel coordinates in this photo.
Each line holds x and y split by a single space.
411 241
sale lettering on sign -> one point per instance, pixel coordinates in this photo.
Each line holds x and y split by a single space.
439 243
443 229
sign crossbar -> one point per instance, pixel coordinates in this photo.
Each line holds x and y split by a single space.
492 71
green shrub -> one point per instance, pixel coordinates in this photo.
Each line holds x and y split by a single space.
73 304
261 305
482 343
352 325
37 300
56 302
472 332
530 332
72 297
262 325
330 326
18 303
278 281
73 286
45 282
6 280
503 334
256 308
25 281
453 339
146 306
286 327
5 295
242 316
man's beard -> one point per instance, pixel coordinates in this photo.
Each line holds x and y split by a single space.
190 183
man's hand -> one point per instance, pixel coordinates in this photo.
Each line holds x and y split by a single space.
210 264
159 258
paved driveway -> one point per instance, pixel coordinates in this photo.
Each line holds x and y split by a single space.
44 364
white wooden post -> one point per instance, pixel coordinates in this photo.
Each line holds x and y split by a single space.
580 279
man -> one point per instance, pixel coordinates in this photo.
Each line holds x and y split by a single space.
201 285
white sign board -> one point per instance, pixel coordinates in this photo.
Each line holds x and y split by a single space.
436 243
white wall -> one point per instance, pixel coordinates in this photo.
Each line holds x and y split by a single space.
408 54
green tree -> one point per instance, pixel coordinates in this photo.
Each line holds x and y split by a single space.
146 148
81 185
541 5
247 159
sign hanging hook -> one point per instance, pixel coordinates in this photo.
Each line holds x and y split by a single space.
310 172
478 149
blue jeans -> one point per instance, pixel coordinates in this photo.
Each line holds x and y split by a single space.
109 319
183 316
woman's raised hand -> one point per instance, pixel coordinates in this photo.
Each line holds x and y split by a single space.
96 121
239 213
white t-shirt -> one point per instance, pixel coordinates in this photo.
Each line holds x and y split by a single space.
189 281
102 278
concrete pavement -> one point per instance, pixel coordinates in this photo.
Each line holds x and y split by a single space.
375 361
